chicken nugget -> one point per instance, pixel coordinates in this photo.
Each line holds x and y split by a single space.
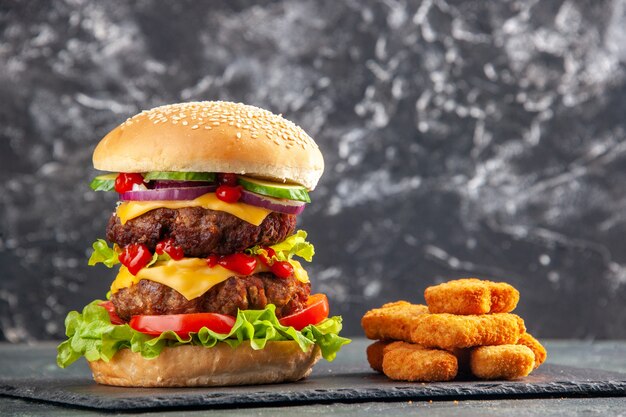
408 362
449 331
471 296
396 304
502 362
375 355
533 344
392 321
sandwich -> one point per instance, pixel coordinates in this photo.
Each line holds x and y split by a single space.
210 289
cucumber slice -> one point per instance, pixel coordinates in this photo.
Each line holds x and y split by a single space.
104 182
273 189
180 176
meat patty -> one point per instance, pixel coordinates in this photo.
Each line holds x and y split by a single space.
251 292
200 232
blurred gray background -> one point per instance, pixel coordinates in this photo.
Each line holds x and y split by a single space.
461 138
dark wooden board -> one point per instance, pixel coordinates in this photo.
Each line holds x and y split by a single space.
348 384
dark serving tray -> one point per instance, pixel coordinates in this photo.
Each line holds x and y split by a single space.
327 384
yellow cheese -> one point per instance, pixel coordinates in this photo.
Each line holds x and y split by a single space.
299 272
254 215
191 277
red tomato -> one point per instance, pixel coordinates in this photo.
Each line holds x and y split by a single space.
182 324
317 310
228 194
135 256
115 319
124 182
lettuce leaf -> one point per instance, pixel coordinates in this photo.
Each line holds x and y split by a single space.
91 334
294 245
102 253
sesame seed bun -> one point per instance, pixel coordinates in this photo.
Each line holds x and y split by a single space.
198 366
212 136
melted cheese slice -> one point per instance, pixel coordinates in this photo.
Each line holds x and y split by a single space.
299 272
254 215
191 277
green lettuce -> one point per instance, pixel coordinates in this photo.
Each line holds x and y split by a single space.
294 245
91 334
102 253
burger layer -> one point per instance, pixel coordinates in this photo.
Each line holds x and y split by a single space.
256 291
200 232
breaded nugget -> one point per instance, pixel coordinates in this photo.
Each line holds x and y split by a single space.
449 331
471 296
502 362
533 344
408 362
396 304
375 355
392 321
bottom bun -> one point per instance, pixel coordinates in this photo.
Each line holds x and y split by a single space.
197 366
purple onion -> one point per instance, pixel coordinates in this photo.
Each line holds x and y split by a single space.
159 184
274 204
185 193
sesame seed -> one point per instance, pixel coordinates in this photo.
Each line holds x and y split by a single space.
260 123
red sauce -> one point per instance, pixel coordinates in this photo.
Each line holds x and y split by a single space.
267 260
245 264
228 194
124 182
211 261
135 256
238 262
167 246
227 179
282 269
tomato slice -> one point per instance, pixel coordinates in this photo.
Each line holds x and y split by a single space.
115 319
317 309
182 324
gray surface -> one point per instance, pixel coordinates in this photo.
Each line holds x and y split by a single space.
461 138
528 407
342 384
36 362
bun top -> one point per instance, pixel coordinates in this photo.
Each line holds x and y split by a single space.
212 136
